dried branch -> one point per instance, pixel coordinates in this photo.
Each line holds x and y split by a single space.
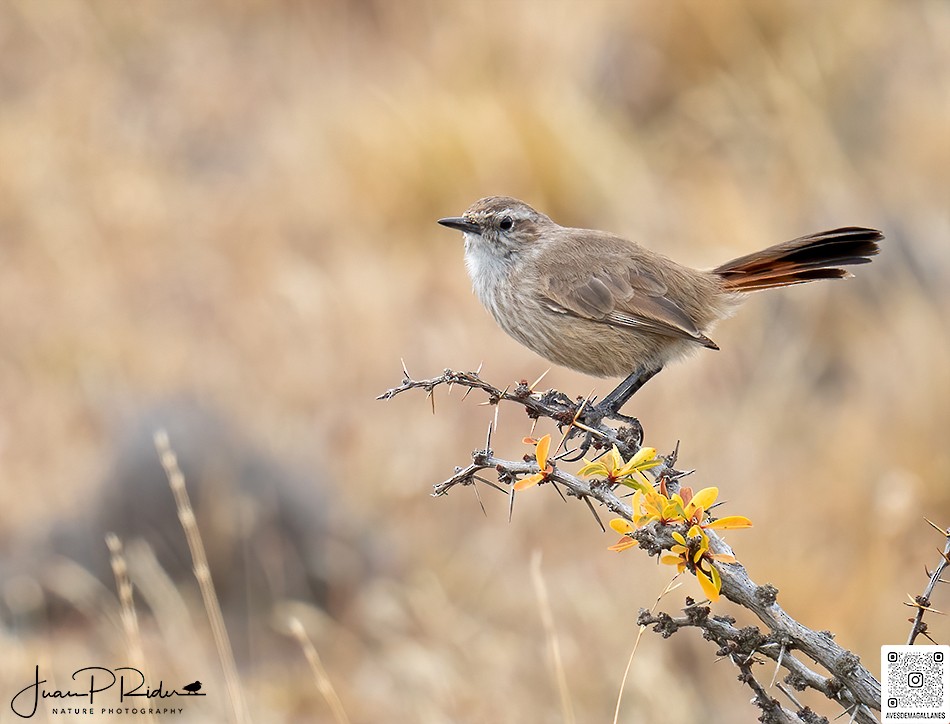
746 646
922 602
847 682
739 646
552 404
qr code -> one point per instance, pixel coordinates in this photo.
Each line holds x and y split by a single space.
915 683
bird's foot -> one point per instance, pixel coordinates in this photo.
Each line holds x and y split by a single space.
589 423
596 414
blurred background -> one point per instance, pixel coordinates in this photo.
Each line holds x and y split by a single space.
230 207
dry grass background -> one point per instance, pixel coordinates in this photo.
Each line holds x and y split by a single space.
236 202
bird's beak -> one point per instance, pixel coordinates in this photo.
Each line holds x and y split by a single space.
458 222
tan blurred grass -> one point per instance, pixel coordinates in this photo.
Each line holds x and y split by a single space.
237 201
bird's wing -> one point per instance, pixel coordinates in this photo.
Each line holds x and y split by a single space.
619 293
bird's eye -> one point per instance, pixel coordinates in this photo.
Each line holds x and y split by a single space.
506 223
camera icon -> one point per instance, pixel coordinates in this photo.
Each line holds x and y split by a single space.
915 680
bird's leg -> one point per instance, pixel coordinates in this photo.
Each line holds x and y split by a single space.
609 407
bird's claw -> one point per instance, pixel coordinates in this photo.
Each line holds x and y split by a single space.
592 418
581 450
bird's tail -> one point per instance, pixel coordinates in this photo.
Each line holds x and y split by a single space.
817 256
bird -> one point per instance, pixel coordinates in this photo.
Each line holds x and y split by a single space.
193 687
609 307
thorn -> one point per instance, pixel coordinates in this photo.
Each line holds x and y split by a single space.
467 393
920 607
778 665
558 489
589 400
585 428
538 381
479 370
942 531
564 455
599 455
431 397
790 696
857 707
405 371
573 424
478 497
593 512
674 456
534 424
500 397
511 501
490 484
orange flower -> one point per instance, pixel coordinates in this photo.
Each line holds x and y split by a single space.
690 552
542 447
622 526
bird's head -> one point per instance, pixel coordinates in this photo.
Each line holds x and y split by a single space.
500 226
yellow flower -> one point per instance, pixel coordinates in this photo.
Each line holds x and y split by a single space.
648 505
698 504
612 467
709 580
691 552
622 526
542 447
729 522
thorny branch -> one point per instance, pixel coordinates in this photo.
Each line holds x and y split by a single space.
738 645
848 683
552 404
922 602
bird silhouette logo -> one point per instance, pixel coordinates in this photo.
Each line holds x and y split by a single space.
193 687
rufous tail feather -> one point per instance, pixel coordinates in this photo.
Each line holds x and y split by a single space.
818 256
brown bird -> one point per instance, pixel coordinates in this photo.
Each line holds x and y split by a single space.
609 307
